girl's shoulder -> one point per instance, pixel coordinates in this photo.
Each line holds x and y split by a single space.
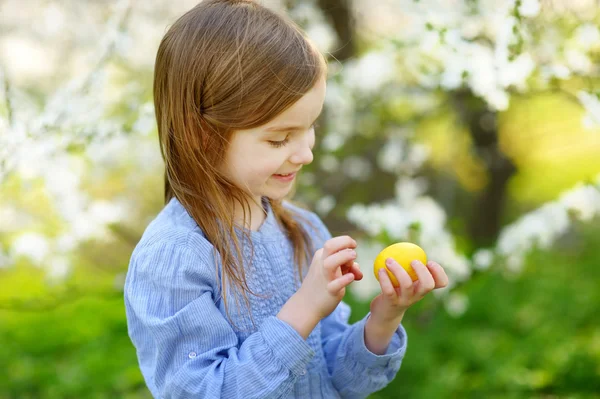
172 253
174 227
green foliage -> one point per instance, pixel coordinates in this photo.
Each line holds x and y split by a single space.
532 335
78 350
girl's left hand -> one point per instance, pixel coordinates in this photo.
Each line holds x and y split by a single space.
389 306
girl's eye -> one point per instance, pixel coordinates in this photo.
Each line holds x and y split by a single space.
278 144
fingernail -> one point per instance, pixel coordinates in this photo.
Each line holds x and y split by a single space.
414 262
389 261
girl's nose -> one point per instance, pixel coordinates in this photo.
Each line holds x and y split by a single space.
302 156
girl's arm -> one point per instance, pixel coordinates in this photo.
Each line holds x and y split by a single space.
187 349
348 357
378 336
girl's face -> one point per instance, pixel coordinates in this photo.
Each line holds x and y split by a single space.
264 160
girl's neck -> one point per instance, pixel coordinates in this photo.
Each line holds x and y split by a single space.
253 220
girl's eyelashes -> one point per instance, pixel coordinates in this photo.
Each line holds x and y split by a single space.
278 144
281 143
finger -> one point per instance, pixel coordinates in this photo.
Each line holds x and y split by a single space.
347 267
387 288
352 267
439 275
425 282
318 254
401 275
355 269
336 244
341 282
338 259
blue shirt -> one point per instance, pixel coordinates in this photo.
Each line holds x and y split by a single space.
188 348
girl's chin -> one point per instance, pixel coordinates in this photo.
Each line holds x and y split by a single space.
277 195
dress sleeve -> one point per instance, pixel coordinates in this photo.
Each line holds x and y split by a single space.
347 355
186 347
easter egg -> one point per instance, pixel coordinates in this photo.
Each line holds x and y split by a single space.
403 253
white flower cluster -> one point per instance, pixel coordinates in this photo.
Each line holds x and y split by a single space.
310 17
543 226
35 148
486 46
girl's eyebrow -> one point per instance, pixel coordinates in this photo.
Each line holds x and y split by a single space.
287 128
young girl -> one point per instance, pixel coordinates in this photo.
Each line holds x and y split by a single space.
233 292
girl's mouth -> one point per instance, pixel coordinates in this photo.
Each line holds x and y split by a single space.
285 177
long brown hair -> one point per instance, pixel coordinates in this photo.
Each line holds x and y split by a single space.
227 65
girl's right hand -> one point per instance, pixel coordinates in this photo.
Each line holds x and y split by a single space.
331 270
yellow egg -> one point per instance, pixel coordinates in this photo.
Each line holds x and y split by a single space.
403 253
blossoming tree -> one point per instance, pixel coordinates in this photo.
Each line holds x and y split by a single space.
69 124
466 60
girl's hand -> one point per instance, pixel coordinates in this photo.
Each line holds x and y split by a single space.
331 270
389 306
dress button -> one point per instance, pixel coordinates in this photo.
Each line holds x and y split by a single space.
192 355
303 372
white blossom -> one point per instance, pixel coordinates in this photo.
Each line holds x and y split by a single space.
65 243
329 163
333 141
544 225
340 105
559 71
325 204
456 304
515 73
368 287
588 36
483 258
417 155
529 8
14 219
35 246
58 268
409 189
322 35
583 200
370 72
28 59
391 155
578 61
591 104
357 167
146 121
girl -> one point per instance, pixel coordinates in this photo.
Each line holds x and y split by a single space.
232 292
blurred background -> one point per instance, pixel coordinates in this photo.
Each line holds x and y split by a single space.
469 127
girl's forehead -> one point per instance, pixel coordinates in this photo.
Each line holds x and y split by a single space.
304 111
